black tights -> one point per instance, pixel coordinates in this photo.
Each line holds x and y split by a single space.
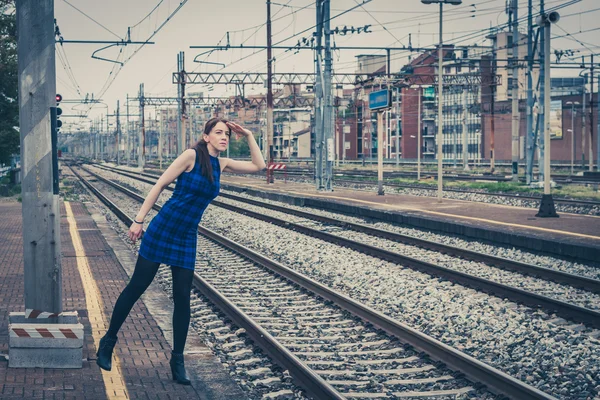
144 273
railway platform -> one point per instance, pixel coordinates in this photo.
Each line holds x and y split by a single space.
96 266
571 235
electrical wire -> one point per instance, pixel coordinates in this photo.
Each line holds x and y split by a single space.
181 4
115 72
376 20
296 34
572 37
68 71
150 13
98 23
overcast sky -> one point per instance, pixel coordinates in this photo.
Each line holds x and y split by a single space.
207 22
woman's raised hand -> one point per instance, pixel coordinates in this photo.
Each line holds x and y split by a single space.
238 129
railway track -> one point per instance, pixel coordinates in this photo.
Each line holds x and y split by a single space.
561 299
337 348
369 179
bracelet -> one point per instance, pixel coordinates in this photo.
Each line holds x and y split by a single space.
141 223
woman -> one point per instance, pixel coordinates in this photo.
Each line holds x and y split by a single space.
171 236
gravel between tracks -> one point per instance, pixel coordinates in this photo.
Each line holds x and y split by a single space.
558 358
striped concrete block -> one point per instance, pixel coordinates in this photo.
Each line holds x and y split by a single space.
38 317
45 345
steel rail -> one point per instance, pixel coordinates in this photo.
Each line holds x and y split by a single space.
561 308
447 176
304 375
474 369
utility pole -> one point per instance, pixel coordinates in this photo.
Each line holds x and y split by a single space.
319 112
269 149
160 141
118 135
398 126
380 132
493 119
597 128
182 111
419 117
102 141
39 164
592 120
327 88
344 138
547 208
465 134
179 108
440 132
543 107
128 132
583 124
454 134
142 131
515 90
529 153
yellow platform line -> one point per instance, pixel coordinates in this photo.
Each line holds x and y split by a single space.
114 383
396 207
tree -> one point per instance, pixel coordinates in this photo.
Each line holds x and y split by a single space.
9 105
239 148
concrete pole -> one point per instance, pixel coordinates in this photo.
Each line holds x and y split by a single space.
178 141
398 126
39 164
440 136
572 134
118 135
270 176
419 117
344 138
465 134
516 117
141 131
529 153
328 97
184 141
160 141
318 91
597 128
102 143
584 111
544 108
380 132
547 90
128 131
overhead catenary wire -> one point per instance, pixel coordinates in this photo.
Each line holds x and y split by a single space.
96 22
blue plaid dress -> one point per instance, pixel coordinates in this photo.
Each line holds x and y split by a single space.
172 234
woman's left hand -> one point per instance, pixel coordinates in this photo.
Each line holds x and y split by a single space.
238 130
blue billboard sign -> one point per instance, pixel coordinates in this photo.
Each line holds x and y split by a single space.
379 99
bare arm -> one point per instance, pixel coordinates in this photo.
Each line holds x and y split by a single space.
241 167
182 163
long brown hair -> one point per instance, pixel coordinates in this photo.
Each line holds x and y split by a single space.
202 149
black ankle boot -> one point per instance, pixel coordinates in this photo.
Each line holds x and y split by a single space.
178 369
104 354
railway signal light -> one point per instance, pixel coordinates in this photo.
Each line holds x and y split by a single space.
58 122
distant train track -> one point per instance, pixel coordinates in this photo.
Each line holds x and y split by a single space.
368 180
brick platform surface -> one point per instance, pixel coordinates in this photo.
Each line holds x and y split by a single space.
142 347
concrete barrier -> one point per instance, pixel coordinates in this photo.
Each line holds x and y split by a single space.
54 341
